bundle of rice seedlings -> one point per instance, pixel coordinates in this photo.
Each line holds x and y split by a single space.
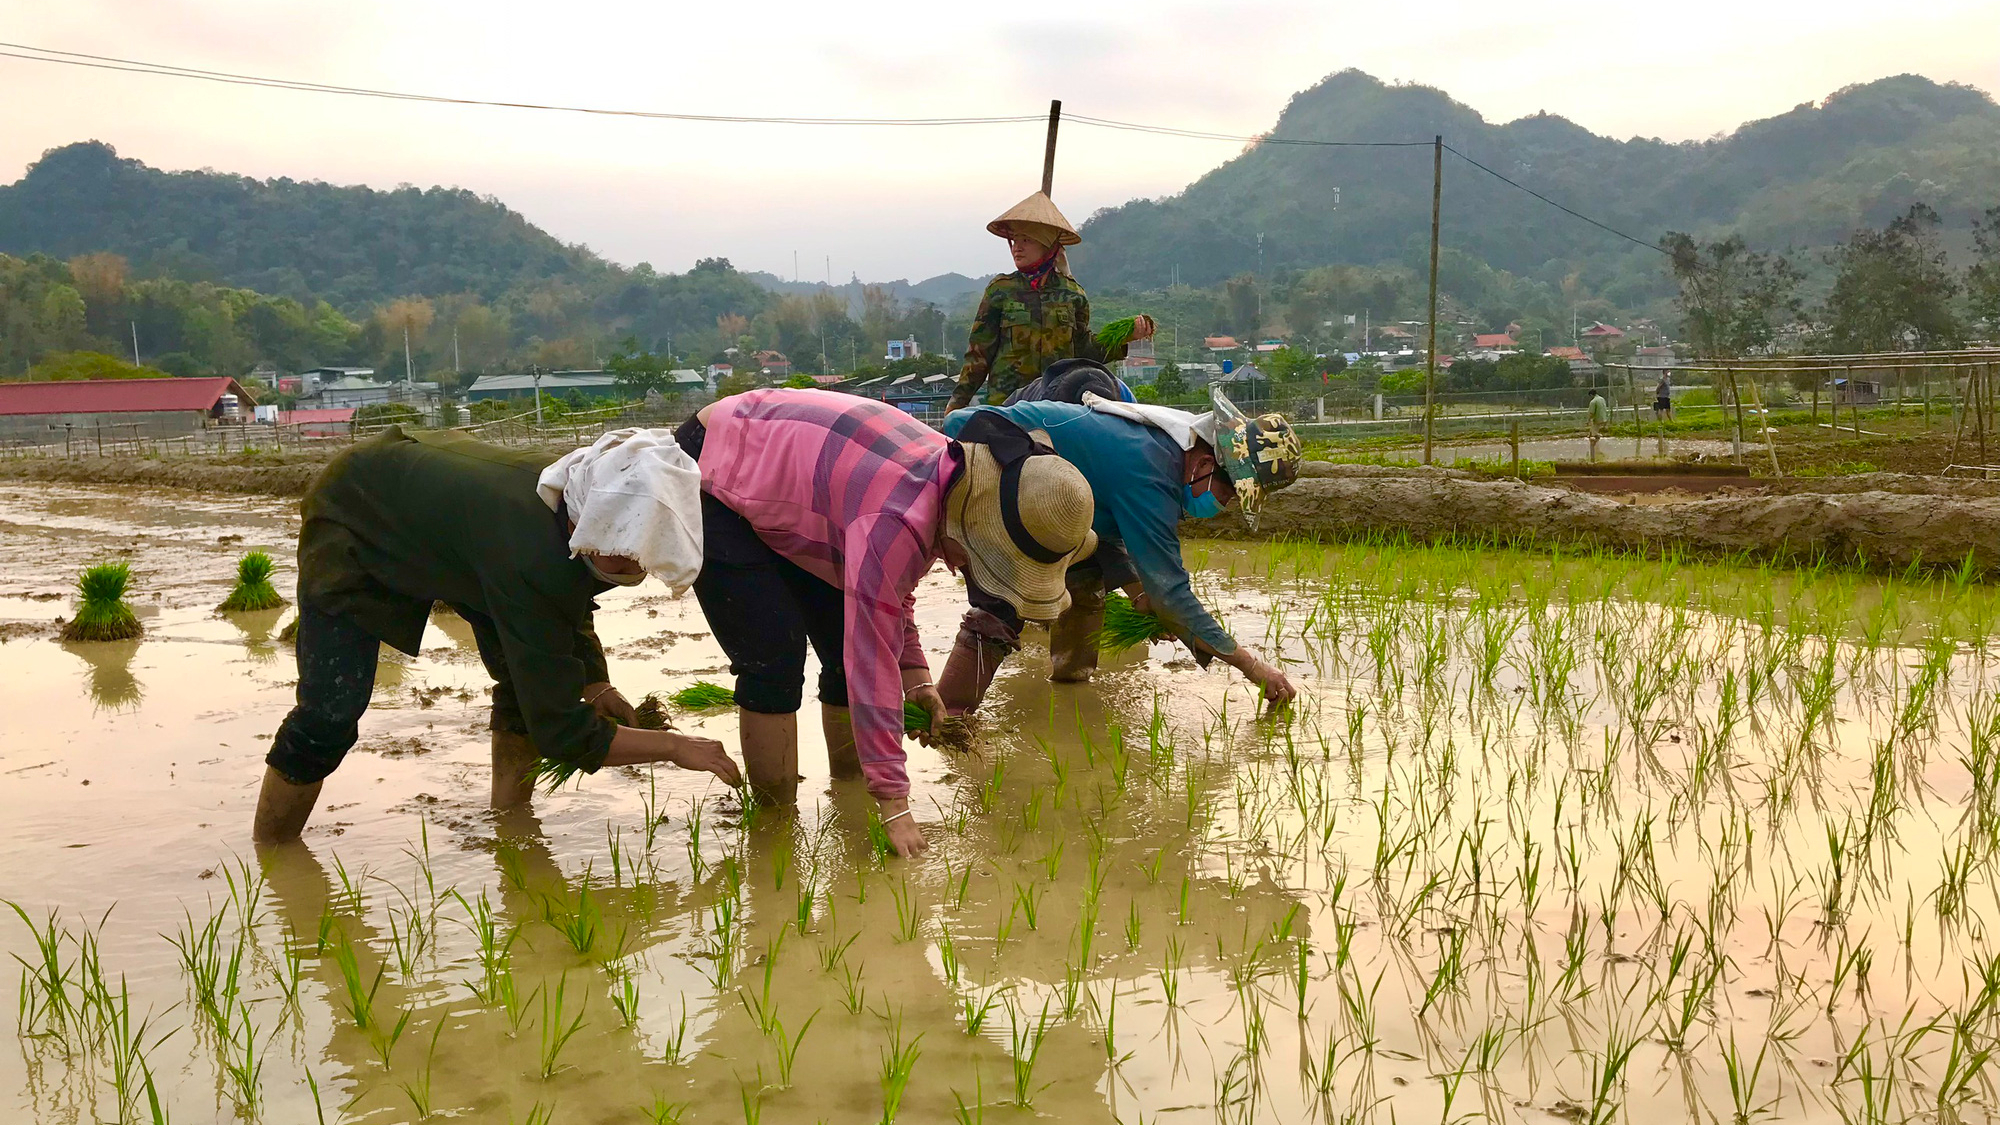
1124 626
552 774
703 696
1117 332
651 713
289 635
253 585
954 733
103 616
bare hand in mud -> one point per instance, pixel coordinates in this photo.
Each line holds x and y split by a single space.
691 752
904 835
610 703
1277 687
927 697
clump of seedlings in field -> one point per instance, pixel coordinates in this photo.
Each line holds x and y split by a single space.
102 613
253 590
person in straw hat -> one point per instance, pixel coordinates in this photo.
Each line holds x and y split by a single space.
820 514
1149 467
1033 316
519 544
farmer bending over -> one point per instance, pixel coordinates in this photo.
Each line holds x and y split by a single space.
820 514
1148 466
517 546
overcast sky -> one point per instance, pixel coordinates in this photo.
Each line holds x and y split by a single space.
883 202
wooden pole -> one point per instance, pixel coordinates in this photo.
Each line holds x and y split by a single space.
1431 353
1514 442
1049 153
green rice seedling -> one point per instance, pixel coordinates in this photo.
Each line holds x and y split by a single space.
908 918
1132 926
899 1062
580 923
751 1095
102 614
973 1113
359 998
625 993
832 953
1125 626
1743 1082
1170 972
245 1067
1027 1040
1029 898
1116 333
852 994
253 589
419 1090
555 1033
788 1047
664 1112
977 1007
675 1045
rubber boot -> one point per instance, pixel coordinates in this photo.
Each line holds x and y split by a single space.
1073 638
843 758
969 671
513 769
283 807
771 755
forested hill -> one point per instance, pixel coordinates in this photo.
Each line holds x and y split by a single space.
351 246
1802 179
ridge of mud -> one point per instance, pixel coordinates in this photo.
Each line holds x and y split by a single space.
262 476
1876 528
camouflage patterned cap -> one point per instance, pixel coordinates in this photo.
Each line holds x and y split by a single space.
1260 455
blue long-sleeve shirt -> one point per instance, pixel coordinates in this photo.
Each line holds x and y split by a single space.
1135 474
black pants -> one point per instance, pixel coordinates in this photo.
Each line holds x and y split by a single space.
336 678
765 609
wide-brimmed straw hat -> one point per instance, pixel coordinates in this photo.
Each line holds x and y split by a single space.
1021 525
1038 214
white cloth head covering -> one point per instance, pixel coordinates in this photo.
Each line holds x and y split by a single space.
1180 425
635 494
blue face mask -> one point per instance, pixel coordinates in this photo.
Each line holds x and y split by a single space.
1202 507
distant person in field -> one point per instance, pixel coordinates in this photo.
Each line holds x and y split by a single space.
1034 316
1148 467
1663 399
1600 418
520 547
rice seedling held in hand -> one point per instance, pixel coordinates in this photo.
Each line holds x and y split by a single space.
1126 627
253 586
1117 332
103 614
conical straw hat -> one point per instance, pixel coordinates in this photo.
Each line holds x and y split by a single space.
1040 211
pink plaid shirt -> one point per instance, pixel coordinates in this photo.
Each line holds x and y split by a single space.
851 490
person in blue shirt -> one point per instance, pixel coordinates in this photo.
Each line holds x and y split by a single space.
1147 467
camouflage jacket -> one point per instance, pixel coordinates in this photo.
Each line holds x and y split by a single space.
1019 331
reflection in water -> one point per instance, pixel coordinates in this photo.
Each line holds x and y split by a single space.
112 684
260 630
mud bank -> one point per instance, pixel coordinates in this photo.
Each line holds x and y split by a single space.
261 475
1878 528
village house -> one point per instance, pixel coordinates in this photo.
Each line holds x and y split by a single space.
117 409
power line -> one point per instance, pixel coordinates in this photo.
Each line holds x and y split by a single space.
1565 210
31 53
139 66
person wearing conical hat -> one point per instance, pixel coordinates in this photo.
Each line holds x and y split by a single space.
1033 316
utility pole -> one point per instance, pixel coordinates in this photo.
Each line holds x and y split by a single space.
535 373
1049 153
135 343
409 372
454 350
1431 353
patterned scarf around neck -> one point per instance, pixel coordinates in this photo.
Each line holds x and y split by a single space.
1039 273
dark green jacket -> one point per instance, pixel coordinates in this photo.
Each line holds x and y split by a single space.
1019 331
404 520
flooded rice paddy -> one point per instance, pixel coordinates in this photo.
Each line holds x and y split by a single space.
1570 837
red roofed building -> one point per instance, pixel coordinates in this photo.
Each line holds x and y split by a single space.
1493 340
122 409
1603 334
1220 343
329 422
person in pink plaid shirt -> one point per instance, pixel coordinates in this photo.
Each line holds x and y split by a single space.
820 514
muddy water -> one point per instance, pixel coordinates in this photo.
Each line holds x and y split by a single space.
1520 818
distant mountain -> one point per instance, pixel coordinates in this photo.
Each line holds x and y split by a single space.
1802 179
352 246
